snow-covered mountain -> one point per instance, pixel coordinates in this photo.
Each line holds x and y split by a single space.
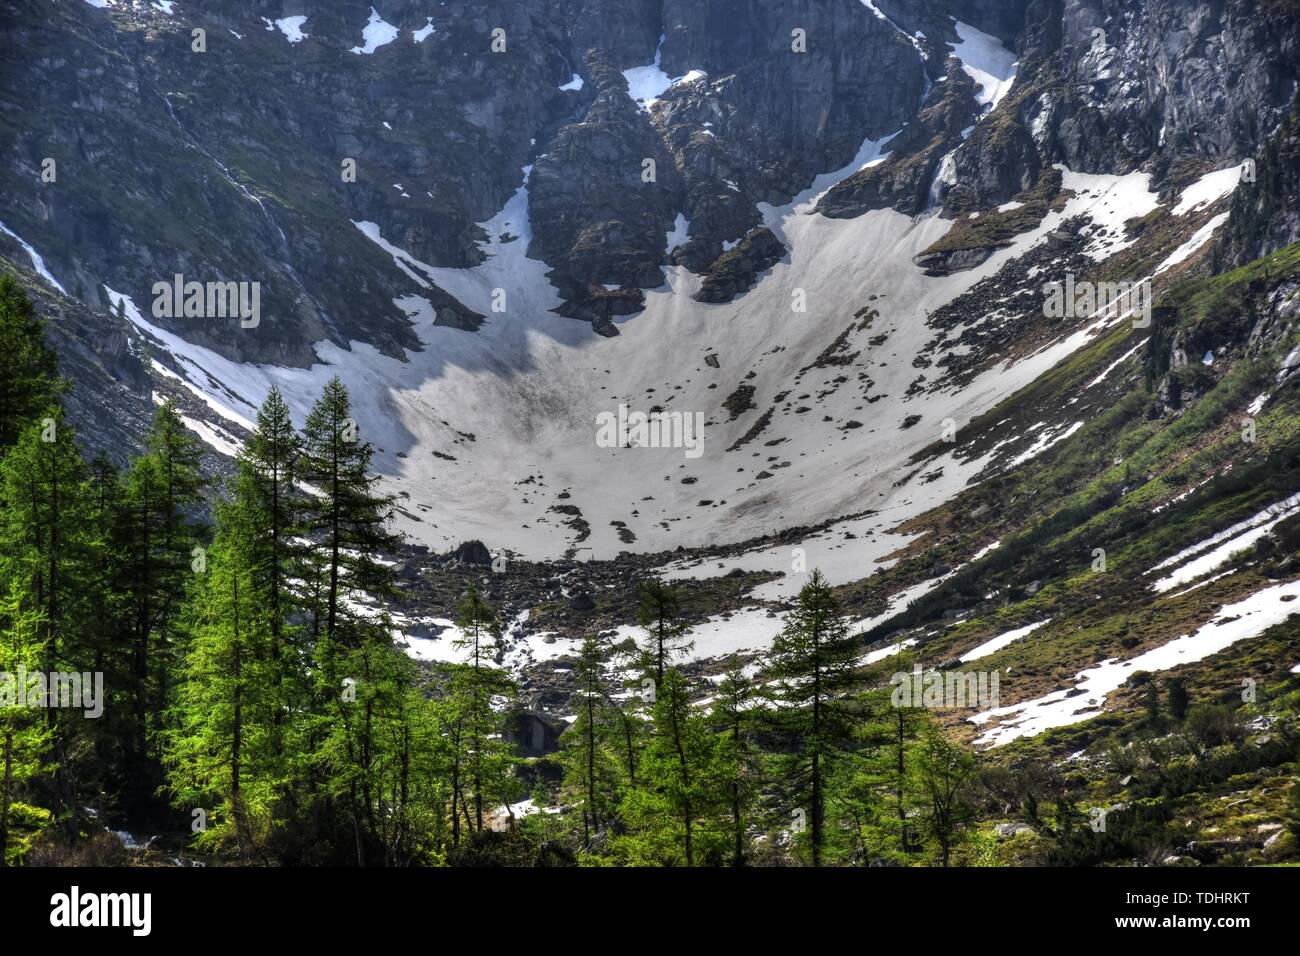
823 234
818 386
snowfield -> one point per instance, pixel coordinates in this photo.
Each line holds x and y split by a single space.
986 61
377 33
1201 558
1001 641
529 385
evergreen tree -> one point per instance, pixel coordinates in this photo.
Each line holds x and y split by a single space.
944 769
266 469
891 733
24 734
43 541
1179 699
737 756
29 379
219 735
812 661
43 557
588 770
108 644
1152 701
346 575
373 752
163 492
346 519
679 786
628 711
487 757
658 616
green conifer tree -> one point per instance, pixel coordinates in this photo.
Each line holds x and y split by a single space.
29 379
812 661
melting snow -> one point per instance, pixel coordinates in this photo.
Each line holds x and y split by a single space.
213 436
890 650
1001 641
645 84
1199 238
678 234
422 34
1208 189
914 40
1115 364
986 61
1044 441
529 385
377 33
291 27
1224 544
1234 622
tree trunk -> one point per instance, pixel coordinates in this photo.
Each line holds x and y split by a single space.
816 762
902 811
591 766
237 730
6 795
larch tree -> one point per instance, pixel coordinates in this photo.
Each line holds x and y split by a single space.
219 732
44 554
813 661
29 379
944 770
589 773
659 616
733 715
267 466
160 522
346 521
478 681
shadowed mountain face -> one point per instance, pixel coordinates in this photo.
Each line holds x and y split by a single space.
229 162
504 219
248 151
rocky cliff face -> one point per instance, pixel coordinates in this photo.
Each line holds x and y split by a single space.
460 205
228 162
1108 87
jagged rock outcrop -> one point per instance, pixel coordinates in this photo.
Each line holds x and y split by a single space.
903 181
736 270
109 398
604 196
229 163
1109 87
473 552
765 120
1265 207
